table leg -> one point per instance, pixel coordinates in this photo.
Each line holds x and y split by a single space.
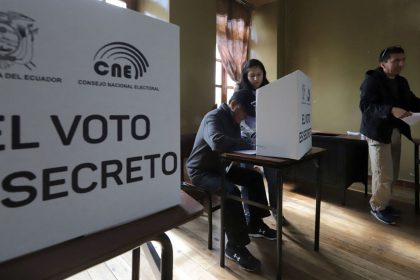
279 183
416 177
166 261
135 264
222 215
318 204
366 188
343 202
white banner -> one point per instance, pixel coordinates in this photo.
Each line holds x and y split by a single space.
89 120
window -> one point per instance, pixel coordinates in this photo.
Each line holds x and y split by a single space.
126 4
119 3
224 86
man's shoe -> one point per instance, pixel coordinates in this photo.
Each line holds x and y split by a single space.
262 230
393 211
243 257
383 216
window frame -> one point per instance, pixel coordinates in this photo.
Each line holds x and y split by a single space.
224 86
131 4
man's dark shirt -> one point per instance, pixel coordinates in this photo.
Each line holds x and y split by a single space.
218 133
379 95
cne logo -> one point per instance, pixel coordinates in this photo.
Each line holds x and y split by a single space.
120 60
306 94
16 40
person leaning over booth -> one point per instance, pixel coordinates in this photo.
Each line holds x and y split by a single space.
219 132
385 99
253 77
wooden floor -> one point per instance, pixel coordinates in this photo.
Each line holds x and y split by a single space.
353 245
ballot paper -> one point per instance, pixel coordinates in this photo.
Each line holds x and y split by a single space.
414 118
246 152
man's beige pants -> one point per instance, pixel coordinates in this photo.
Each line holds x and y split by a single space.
385 166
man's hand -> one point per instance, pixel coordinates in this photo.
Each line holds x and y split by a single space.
400 113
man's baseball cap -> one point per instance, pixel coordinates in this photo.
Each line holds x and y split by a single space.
246 99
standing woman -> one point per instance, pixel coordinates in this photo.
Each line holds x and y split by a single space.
253 77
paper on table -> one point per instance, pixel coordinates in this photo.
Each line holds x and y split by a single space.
246 152
415 117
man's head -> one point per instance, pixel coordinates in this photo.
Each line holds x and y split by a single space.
392 61
242 104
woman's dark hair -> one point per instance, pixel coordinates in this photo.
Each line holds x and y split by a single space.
244 83
386 53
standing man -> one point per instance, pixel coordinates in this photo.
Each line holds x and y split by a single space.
220 132
385 99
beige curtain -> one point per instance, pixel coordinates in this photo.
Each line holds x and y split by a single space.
233 29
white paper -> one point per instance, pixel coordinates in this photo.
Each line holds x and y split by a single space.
415 117
246 152
355 133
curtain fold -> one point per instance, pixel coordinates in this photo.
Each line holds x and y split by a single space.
233 22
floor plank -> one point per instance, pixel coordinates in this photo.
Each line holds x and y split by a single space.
100 272
119 267
353 244
84 275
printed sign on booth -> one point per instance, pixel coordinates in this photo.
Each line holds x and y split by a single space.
89 120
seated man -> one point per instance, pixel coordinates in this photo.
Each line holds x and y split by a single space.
220 132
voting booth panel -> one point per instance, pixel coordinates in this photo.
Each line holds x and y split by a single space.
284 117
89 120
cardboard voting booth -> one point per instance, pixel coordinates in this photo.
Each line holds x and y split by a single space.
284 117
89 120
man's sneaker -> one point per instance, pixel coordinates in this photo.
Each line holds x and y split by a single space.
262 230
392 211
383 216
243 257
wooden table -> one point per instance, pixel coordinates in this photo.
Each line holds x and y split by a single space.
70 257
314 154
416 174
345 162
